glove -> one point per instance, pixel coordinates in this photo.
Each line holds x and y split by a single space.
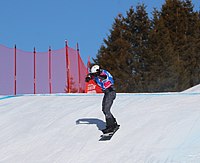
88 78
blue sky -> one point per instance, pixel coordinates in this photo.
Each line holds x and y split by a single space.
44 23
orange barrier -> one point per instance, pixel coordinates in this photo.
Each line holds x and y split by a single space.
92 87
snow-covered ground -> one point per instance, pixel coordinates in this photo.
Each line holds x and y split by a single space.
195 89
65 128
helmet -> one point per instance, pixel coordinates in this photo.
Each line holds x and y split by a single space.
95 69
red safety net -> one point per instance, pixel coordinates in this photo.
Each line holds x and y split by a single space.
54 71
6 70
73 79
59 75
25 72
77 73
42 72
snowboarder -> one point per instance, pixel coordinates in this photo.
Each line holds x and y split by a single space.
105 80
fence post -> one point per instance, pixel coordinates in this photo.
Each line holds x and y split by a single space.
67 67
50 81
34 53
79 73
15 70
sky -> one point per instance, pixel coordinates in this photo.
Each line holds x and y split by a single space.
44 23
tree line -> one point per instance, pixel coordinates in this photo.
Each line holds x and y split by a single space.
154 54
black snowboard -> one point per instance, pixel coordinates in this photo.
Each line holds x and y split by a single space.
108 136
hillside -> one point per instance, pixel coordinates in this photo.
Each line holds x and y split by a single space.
65 128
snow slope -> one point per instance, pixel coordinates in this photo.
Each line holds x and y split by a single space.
65 128
195 89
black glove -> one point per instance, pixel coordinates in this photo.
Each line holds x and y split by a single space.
88 78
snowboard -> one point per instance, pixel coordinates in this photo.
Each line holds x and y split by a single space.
108 136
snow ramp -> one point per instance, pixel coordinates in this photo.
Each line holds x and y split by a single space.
65 128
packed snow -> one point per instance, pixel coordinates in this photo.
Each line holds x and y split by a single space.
65 128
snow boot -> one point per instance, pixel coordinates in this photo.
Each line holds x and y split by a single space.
111 125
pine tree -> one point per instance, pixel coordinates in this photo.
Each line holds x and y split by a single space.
114 56
179 20
138 27
125 49
162 54
161 75
193 48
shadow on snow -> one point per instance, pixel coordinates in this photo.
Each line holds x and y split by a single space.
93 121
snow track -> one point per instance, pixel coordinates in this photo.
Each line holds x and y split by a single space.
65 128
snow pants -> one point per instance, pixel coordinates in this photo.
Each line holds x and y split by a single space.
108 99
